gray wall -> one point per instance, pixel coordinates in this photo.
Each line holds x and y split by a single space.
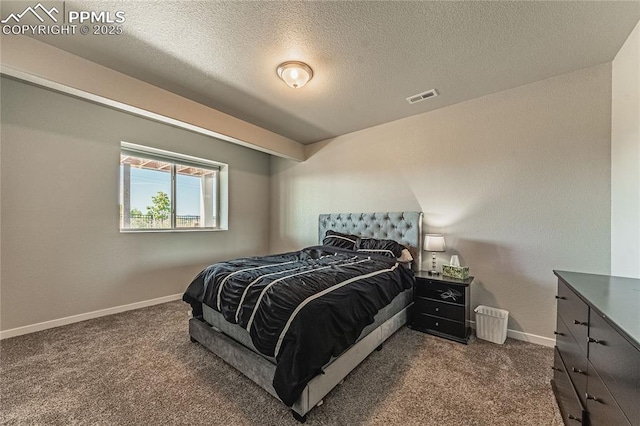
61 251
625 159
518 181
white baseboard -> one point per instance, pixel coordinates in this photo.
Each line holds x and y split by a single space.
532 338
527 337
514 334
86 316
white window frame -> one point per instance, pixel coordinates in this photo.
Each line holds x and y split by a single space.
222 216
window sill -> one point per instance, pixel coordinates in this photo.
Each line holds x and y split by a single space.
164 231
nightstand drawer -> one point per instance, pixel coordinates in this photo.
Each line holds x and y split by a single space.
440 309
443 326
440 291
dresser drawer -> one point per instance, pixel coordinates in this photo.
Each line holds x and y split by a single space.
440 309
618 364
439 325
574 359
570 406
602 407
440 291
575 314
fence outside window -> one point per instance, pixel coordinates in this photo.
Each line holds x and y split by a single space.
146 221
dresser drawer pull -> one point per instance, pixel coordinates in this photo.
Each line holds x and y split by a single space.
556 369
561 297
577 370
558 333
576 322
593 398
437 309
572 417
596 341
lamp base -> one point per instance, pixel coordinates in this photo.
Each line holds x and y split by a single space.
433 270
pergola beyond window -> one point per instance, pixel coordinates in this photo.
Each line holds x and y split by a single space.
160 190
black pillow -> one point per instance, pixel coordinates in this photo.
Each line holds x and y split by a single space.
338 239
387 248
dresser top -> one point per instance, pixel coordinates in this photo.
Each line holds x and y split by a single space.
617 298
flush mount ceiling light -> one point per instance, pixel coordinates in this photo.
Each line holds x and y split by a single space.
295 74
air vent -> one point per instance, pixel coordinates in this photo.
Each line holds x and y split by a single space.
422 96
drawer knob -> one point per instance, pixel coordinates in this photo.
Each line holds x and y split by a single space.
596 341
577 370
561 297
572 417
556 368
437 324
437 309
558 333
591 397
576 322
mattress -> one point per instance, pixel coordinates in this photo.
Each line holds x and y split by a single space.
239 334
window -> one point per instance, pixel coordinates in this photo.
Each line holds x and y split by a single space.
161 190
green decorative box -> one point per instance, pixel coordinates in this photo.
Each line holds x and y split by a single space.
461 272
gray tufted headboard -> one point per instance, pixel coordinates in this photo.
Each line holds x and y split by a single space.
403 227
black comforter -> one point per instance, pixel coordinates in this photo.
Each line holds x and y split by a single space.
301 307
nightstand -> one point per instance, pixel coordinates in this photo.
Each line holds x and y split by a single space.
442 306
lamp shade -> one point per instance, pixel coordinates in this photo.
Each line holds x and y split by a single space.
434 242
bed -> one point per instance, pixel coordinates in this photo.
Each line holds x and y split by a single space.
335 305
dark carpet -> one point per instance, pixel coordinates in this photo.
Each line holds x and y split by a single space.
139 368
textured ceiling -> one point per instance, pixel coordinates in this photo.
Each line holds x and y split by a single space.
367 57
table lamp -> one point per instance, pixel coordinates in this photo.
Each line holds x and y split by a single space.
434 243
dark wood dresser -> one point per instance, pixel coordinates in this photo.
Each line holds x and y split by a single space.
596 376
